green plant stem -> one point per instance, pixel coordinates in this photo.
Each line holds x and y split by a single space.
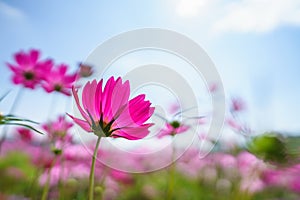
46 187
11 111
92 172
61 183
171 176
33 181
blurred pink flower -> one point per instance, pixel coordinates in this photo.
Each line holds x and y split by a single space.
283 177
58 80
85 70
58 130
56 174
120 176
213 87
110 111
237 105
173 128
174 108
28 69
295 184
232 123
273 177
25 134
225 160
252 184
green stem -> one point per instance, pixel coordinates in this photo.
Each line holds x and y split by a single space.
13 107
46 187
61 183
171 176
92 172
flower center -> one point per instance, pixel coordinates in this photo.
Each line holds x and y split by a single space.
175 124
28 75
107 128
57 87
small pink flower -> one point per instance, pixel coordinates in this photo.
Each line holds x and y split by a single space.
173 128
237 104
213 87
233 124
28 69
273 177
174 108
57 173
25 134
58 130
58 80
85 70
121 176
109 111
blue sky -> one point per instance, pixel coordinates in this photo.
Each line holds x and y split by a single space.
254 44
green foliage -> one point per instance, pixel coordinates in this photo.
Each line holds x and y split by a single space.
270 147
273 147
17 121
17 173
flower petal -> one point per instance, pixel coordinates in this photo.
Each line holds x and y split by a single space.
83 124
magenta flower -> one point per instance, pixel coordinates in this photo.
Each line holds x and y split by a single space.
58 130
58 80
109 112
173 128
28 69
25 134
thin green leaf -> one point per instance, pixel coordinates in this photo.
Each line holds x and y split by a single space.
1 98
19 119
27 126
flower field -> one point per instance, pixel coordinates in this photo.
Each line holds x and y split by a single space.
58 166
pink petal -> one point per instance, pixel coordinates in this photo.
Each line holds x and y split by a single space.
21 58
83 124
88 98
133 133
140 110
84 115
34 55
13 68
106 100
182 129
98 99
62 69
119 97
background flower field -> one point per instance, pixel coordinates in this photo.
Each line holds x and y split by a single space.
46 153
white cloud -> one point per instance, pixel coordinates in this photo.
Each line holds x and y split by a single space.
244 15
190 8
10 11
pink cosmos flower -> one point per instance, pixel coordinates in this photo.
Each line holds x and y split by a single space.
25 134
58 130
58 80
28 69
110 113
237 104
120 176
173 128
